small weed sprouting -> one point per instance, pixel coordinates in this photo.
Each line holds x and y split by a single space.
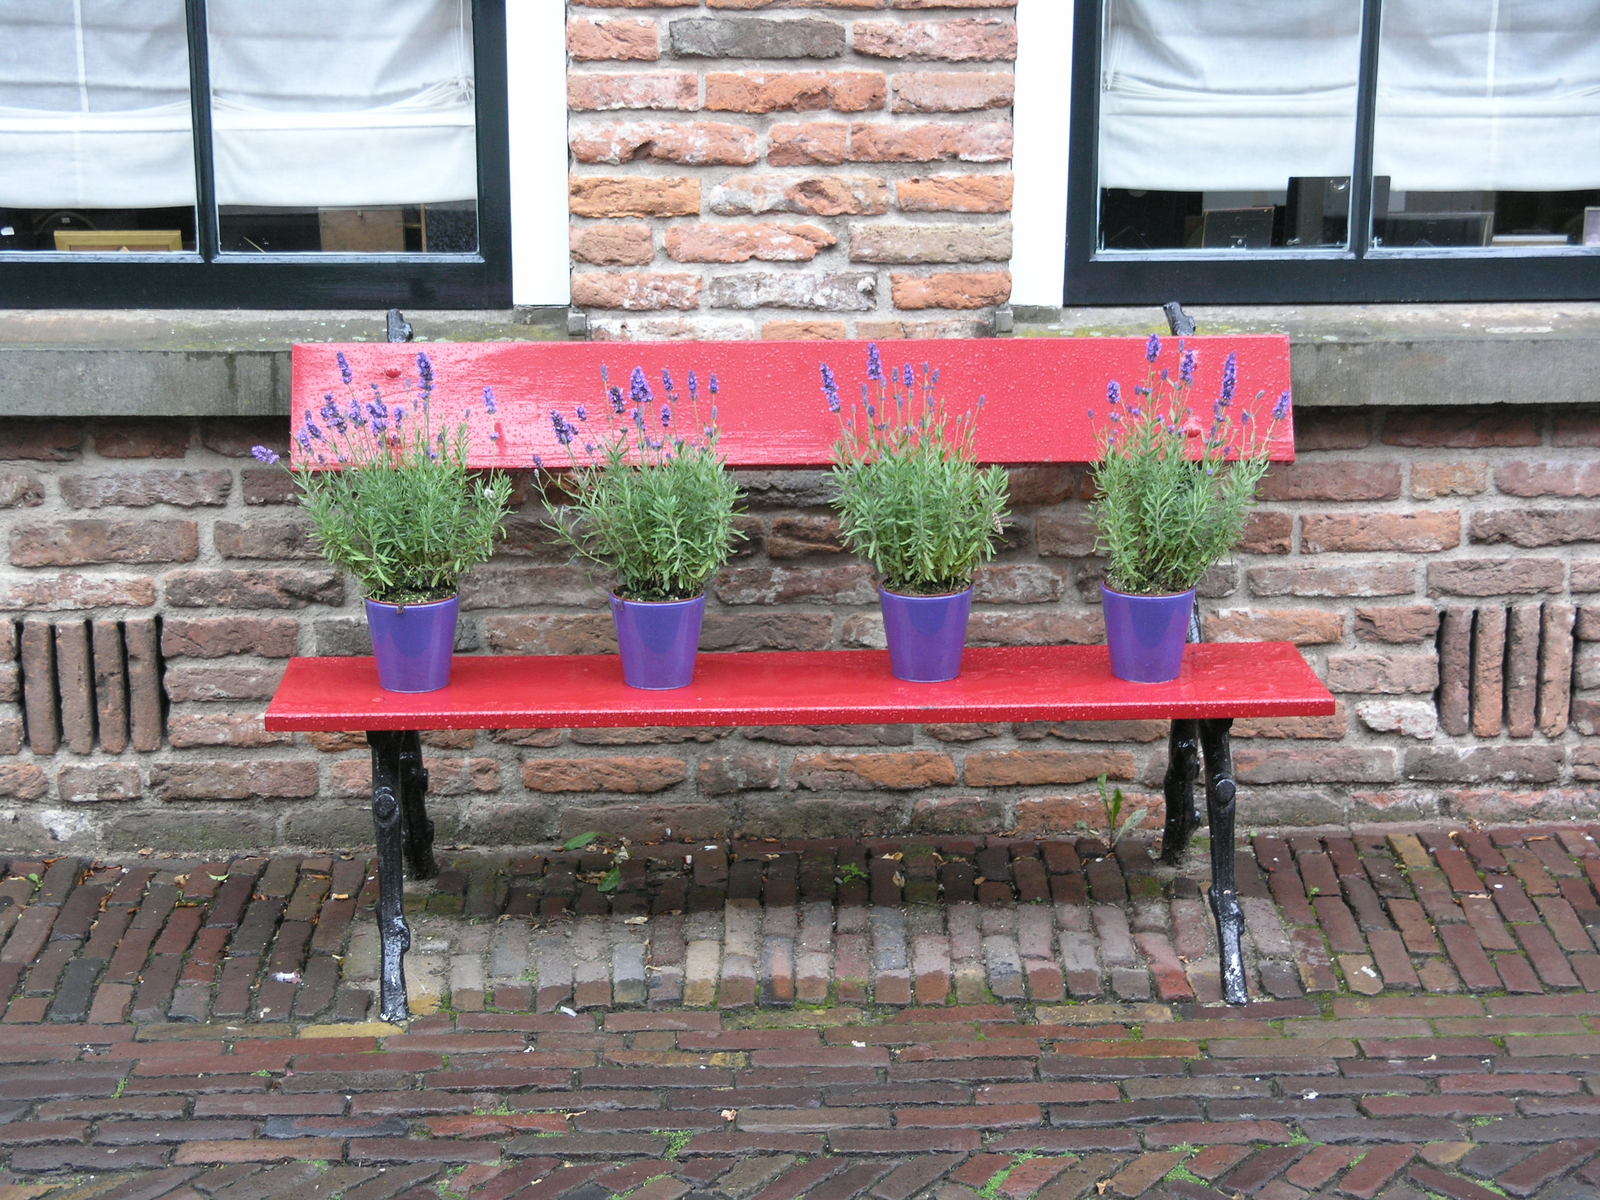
1112 803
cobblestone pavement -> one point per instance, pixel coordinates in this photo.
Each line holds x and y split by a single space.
948 1019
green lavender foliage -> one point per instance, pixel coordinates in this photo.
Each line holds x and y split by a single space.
911 497
395 503
1172 496
658 512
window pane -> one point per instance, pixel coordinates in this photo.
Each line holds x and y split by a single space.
1488 123
344 127
1228 124
94 126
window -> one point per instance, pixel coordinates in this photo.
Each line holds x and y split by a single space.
267 155
1386 150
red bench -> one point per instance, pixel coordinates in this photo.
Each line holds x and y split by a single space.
1038 393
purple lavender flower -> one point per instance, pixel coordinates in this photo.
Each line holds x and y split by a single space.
344 367
605 373
582 412
714 386
666 379
666 415
1280 410
1186 366
830 388
694 387
1152 348
564 430
538 459
489 405
399 415
262 454
639 388
303 441
355 415
311 429
1113 393
618 404
1230 376
425 371
874 363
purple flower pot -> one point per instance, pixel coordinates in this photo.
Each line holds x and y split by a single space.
926 634
658 641
1146 634
413 643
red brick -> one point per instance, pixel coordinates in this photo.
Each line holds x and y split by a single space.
140 489
107 781
1431 481
795 91
619 774
265 588
912 769
152 438
691 143
1462 427
622 40
79 542
596 92
218 637
18 489
802 331
186 730
1332 479
1369 579
955 193
1535 526
43 441
816 142
196 779
22 781
952 91
741 243
961 40
825 196
1267 533
613 245
1303 626
278 540
1387 674
925 243
931 141
1400 623
1023 768
955 289
209 681
1412 533
1317 764
1521 576
146 701
634 196
636 291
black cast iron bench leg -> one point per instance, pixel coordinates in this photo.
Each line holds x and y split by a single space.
1183 768
1221 789
402 831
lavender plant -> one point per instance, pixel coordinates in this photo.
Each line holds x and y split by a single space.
656 513
1172 497
390 496
912 499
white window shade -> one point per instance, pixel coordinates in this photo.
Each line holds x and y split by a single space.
359 103
1240 95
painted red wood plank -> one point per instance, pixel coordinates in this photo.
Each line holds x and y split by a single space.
1039 392
839 687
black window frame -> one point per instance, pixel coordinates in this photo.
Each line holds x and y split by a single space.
1335 276
206 278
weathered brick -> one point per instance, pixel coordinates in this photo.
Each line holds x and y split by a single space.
186 730
1535 526
268 485
1400 623
209 681
140 489
1303 626
613 245
266 588
1370 579
1488 662
634 196
1025 768
1496 577
1555 669
796 91
1317 764
218 637
955 289
1412 718
726 774
838 291
77 542
962 40
1267 533
952 91
615 774
816 142
804 331
1431 481
931 141
1460 427
756 37
690 143
930 243
955 193
1412 532
896 771
636 290
23 781
287 539
1332 479
589 91
18 489
143 438
69 591
1362 671
620 40
1483 764
91 784
195 779
741 243
825 196
43 441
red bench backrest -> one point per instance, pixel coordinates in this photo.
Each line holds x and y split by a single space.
1039 392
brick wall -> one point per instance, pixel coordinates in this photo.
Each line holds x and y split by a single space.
755 168
1438 566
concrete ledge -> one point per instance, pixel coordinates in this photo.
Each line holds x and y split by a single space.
73 363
